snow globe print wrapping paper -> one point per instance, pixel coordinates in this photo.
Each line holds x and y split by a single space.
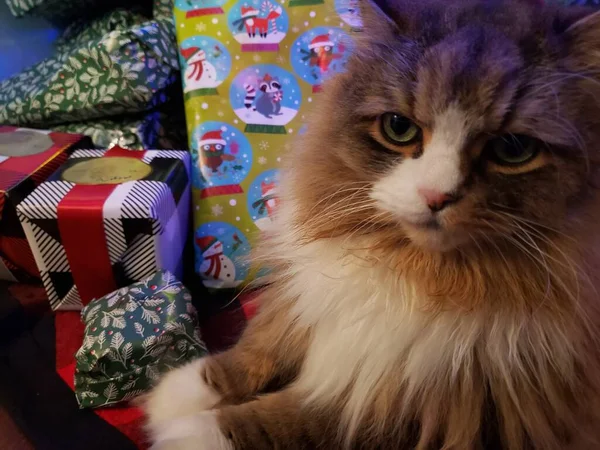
131 336
252 70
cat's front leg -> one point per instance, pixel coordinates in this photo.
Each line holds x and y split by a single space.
268 356
279 420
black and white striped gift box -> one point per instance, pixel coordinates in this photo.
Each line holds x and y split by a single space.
144 227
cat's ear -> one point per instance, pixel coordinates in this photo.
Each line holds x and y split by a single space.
584 40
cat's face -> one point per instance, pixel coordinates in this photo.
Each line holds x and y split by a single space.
458 123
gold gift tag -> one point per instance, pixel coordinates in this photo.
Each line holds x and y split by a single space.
113 170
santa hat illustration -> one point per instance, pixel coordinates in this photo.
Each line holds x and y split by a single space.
249 11
211 138
188 53
206 242
320 41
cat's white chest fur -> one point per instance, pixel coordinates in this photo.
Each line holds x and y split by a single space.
367 325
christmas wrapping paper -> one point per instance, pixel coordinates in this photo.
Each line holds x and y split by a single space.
27 158
251 71
131 336
107 218
119 64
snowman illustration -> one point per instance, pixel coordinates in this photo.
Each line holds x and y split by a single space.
217 269
200 74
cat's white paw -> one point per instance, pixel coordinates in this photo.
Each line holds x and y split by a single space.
197 432
181 393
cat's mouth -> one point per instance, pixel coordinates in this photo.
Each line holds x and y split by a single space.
432 234
432 224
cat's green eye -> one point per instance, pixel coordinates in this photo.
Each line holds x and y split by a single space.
398 129
512 149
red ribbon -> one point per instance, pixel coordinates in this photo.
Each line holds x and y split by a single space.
81 226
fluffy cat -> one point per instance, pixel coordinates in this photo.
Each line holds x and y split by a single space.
435 256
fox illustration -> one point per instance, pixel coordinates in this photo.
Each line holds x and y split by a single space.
261 25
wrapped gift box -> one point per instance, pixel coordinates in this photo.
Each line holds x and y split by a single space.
27 157
251 73
131 336
107 218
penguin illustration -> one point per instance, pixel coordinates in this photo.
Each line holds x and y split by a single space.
211 148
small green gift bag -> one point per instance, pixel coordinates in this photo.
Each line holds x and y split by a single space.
131 336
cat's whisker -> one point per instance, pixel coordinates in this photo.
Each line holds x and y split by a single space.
474 240
339 209
371 220
526 239
342 199
562 77
334 217
494 244
576 269
510 238
531 222
344 189
575 136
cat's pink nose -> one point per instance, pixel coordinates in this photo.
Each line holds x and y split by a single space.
436 200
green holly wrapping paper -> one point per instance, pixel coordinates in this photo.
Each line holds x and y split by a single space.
131 336
119 64
252 70
162 9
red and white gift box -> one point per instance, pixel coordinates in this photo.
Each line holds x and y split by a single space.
113 225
